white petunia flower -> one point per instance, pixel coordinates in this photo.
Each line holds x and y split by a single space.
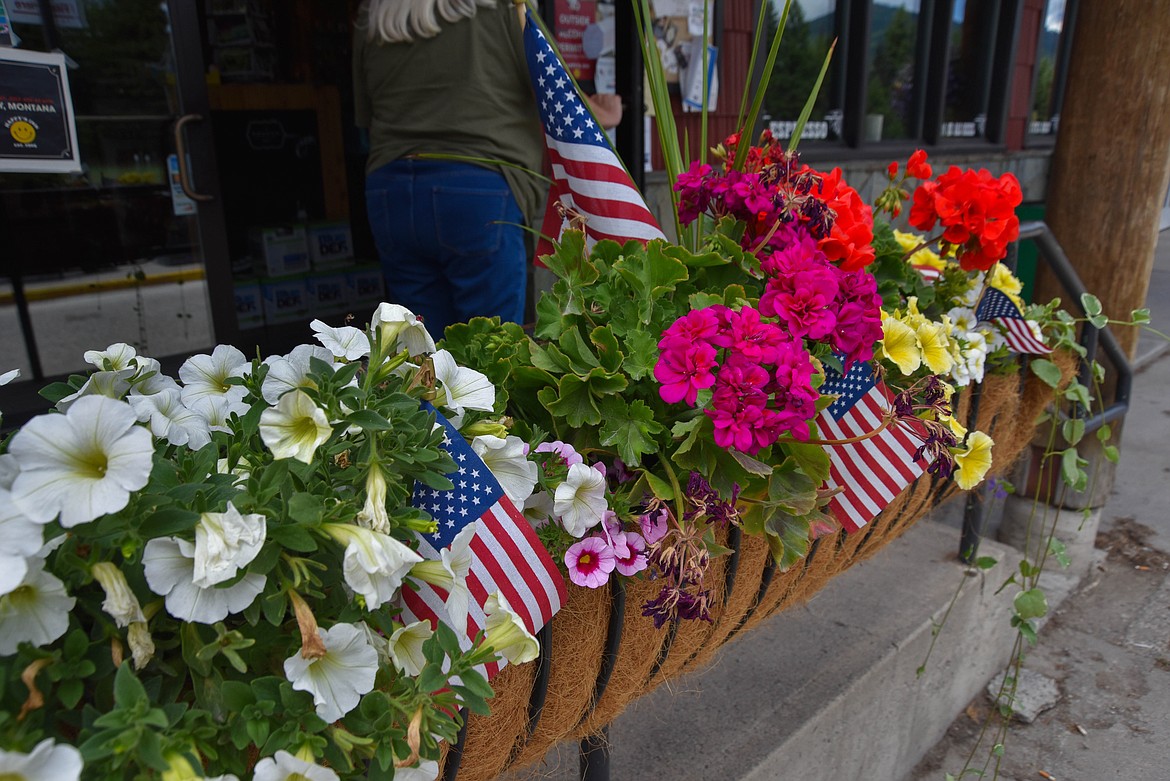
505 632
406 647
343 342
291 372
149 379
169 565
36 611
963 320
141 644
217 411
338 679
427 770
9 376
374 563
225 543
580 500
449 573
463 388
120 601
373 514
295 427
283 766
20 539
48 761
207 375
83 464
170 419
398 326
506 460
538 508
111 384
117 356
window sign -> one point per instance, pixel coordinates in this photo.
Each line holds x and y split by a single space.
7 36
37 131
66 13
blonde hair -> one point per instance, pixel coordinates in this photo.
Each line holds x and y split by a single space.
402 21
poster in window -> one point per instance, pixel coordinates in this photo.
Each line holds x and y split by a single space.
571 19
37 129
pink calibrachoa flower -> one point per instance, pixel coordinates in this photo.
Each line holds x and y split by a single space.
635 560
654 525
562 449
590 561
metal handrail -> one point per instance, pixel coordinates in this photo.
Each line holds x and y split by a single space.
1091 339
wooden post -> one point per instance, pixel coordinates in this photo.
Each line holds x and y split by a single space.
1111 165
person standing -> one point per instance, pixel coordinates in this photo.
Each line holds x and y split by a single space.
448 77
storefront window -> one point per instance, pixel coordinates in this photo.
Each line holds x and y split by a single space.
972 44
1044 117
890 93
810 30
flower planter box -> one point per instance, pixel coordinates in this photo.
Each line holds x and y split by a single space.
599 654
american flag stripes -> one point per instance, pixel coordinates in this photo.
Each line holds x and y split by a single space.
928 272
506 554
588 177
871 472
996 307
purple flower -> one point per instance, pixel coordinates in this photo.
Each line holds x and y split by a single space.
655 525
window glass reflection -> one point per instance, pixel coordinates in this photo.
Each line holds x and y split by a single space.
971 45
1044 118
810 30
890 93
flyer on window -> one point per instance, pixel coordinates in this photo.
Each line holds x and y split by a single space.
38 133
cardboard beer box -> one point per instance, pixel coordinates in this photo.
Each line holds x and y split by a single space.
280 251
366 287
330 245
328 293
285 300
249 305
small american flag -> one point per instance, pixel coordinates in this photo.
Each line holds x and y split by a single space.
928 272
506 554
870 473
588 177
997 308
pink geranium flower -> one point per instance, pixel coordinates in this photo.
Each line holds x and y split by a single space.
590 561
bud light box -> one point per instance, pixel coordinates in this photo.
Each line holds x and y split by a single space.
285 300
249 305
328 293
280 251
365 286
330 244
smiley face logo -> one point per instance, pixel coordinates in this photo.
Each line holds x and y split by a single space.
23 131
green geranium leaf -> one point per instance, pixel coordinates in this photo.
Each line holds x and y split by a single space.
551 359
658 486
813 460
787 539
1047 371
701 260
751 464
792 491
702 300
578 351
549 316
608 352
572 401
630 428
652 275
641 348
571 262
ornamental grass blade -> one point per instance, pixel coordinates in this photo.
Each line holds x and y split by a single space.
749 121
812 98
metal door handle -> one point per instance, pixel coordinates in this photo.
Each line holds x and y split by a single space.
181 153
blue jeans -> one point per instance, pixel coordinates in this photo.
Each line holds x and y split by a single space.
446 251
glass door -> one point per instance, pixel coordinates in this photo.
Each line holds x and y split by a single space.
130 249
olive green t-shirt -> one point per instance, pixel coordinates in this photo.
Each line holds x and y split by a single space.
465 91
